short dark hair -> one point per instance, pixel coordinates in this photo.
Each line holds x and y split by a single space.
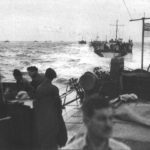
93 103
32 68
50 73
17 72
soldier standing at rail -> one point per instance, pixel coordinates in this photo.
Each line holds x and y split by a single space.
22 83
36 77
48 111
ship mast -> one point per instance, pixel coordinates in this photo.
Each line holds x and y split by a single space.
116 25
143 23
116 28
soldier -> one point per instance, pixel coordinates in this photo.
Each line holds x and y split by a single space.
98 120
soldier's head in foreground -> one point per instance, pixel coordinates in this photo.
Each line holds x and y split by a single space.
98 117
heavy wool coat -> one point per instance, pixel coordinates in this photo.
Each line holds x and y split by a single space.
47 111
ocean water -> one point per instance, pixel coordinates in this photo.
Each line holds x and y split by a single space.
69 59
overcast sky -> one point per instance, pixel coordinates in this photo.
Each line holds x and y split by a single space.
69 20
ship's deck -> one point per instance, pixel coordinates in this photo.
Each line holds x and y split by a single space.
73 118
138 138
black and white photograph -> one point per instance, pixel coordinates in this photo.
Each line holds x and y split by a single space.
74 74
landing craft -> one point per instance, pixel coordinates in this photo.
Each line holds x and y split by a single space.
82 42
113 46
7 41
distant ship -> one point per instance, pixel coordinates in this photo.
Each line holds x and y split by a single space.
82 41
116 45
7 41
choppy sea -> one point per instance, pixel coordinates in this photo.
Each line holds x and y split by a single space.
69 59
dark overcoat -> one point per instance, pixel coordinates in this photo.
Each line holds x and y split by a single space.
47 110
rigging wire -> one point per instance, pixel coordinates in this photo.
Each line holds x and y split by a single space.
127 9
